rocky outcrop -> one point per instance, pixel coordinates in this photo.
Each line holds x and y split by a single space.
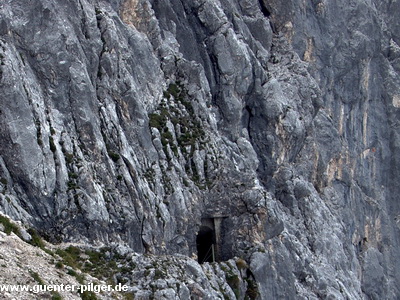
273 126
32 269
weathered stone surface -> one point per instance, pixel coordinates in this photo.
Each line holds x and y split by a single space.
130 122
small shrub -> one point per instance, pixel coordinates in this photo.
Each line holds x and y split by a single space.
234 282
252 289
56 296
36 277
36 238
48 251
71 256
156 121
80 278
129 296
69 158
99 265
149 174
59 265
72 175
166 138
113 155
72 185
158 274
8 225
72 272
88 295
174 90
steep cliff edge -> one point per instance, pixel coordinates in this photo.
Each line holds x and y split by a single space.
267 129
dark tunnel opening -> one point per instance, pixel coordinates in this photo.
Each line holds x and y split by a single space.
205 245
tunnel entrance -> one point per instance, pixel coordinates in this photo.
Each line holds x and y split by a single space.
205 245
214 240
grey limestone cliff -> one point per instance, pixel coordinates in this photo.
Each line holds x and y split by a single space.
267 128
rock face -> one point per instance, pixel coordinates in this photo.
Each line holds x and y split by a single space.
271 125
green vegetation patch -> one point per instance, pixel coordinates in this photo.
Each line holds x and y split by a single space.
71 256
56 296
234 282
36 239
9 226
98 263
113 155
36 277
252 290
69 157
190 131
88 295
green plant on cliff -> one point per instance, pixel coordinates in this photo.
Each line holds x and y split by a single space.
8 225
36 277
252 290
233 281
88 295
113 155
178 109
56 296
36 239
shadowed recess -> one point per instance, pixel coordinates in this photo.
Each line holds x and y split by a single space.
205 241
